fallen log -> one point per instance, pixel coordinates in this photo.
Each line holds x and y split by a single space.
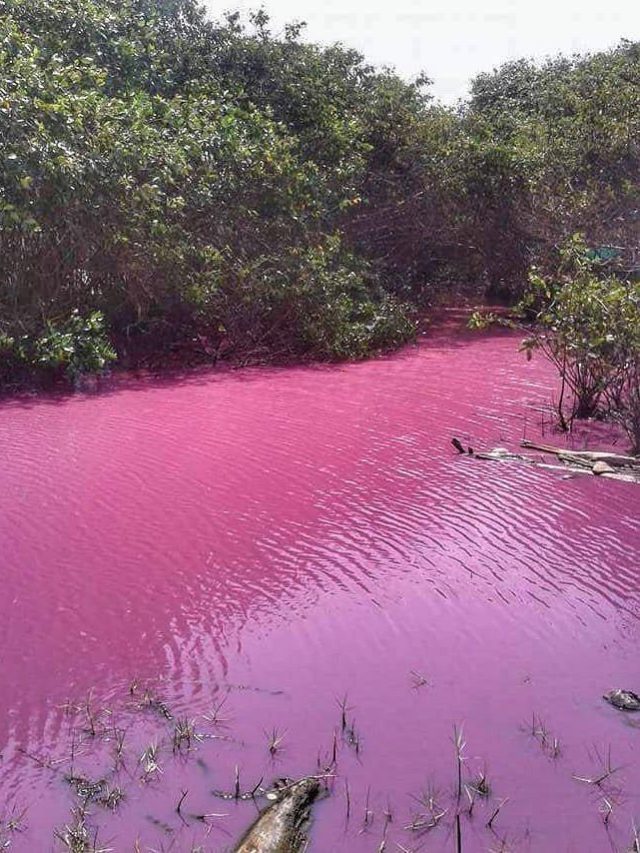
282 826
594 463
592 456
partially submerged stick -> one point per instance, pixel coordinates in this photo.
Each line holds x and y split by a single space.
282 826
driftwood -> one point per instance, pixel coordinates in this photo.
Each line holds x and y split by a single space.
282 826
610 466
615 460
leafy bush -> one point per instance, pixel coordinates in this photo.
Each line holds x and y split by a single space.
78 345
71 347
590 330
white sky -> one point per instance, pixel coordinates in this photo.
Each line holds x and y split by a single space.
452 40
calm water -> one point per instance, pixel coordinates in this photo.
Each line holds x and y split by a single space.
286 537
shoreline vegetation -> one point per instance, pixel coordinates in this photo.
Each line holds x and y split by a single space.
176 189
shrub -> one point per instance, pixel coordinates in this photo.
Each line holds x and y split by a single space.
590 329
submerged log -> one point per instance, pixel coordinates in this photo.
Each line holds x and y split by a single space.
282 826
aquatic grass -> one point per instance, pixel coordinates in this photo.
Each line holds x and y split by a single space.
238 794
549 743
214 717
459 745
97 734
368 813
503 848
344 710
479 787
422 823
185 734
388 819
76 837
497 811
606 809
334 749
431 814
119 737
92 716
450 809
554 749
15 821
183 797
149 761
418 680
352 737
331 759
274 741
348 729
607 770
471 793
347 797
10 824
256 788
46 763
152 702
428 799
112 798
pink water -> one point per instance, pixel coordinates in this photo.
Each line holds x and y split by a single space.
286 537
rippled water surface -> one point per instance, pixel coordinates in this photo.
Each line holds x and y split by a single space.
286 537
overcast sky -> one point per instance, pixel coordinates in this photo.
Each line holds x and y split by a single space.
452 40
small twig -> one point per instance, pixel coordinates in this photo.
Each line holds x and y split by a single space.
343 711
347 795
181 801
496 812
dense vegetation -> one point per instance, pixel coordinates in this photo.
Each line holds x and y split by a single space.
174 184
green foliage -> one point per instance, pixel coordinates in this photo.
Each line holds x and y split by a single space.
183 180
565 139
69 347
207 185
481 320
77 345
589 327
